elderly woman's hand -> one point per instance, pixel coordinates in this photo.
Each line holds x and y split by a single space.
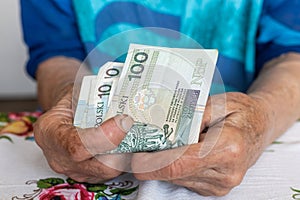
233 142
77 152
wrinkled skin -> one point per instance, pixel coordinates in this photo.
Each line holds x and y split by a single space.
235 136
75 152
233 142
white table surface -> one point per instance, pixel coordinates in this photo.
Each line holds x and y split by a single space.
272 177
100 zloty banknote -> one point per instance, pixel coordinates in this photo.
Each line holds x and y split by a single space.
163 89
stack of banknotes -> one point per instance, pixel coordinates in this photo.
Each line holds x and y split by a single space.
163 89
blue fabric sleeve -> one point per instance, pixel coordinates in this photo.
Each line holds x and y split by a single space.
278 31
49 29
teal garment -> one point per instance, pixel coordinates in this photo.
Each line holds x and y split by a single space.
229 26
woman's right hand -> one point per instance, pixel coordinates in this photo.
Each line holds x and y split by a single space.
78 153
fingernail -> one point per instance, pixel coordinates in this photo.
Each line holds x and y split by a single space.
126 122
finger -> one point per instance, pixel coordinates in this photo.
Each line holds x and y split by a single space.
213 176
86 178
107 136
179 162
100 170
165 165
203 188
119 162
55 133
210 139
206 116
79 177
215 111
55 130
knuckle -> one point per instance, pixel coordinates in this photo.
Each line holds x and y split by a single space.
230 181
221 192
141 177
79 177
57 168
169 173
112 132
74 153
174 171
37 134
235 150
111 174
42 130
100 171
211 191
73 148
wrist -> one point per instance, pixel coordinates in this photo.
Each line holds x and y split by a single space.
267 116
55 78
61 91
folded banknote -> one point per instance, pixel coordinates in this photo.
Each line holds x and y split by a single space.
163 89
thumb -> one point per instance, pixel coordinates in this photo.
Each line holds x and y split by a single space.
215 111
107 136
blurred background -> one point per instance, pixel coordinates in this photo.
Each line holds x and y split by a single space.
17 89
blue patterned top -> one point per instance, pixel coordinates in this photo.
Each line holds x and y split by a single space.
247 33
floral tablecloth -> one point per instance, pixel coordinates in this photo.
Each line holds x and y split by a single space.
25 174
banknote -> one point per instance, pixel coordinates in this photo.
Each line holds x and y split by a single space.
95 95
100 96
83 99
165 91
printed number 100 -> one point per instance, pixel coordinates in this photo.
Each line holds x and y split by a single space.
138 68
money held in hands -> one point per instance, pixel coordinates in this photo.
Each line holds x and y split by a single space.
163 89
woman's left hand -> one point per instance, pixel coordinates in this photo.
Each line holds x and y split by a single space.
233 142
